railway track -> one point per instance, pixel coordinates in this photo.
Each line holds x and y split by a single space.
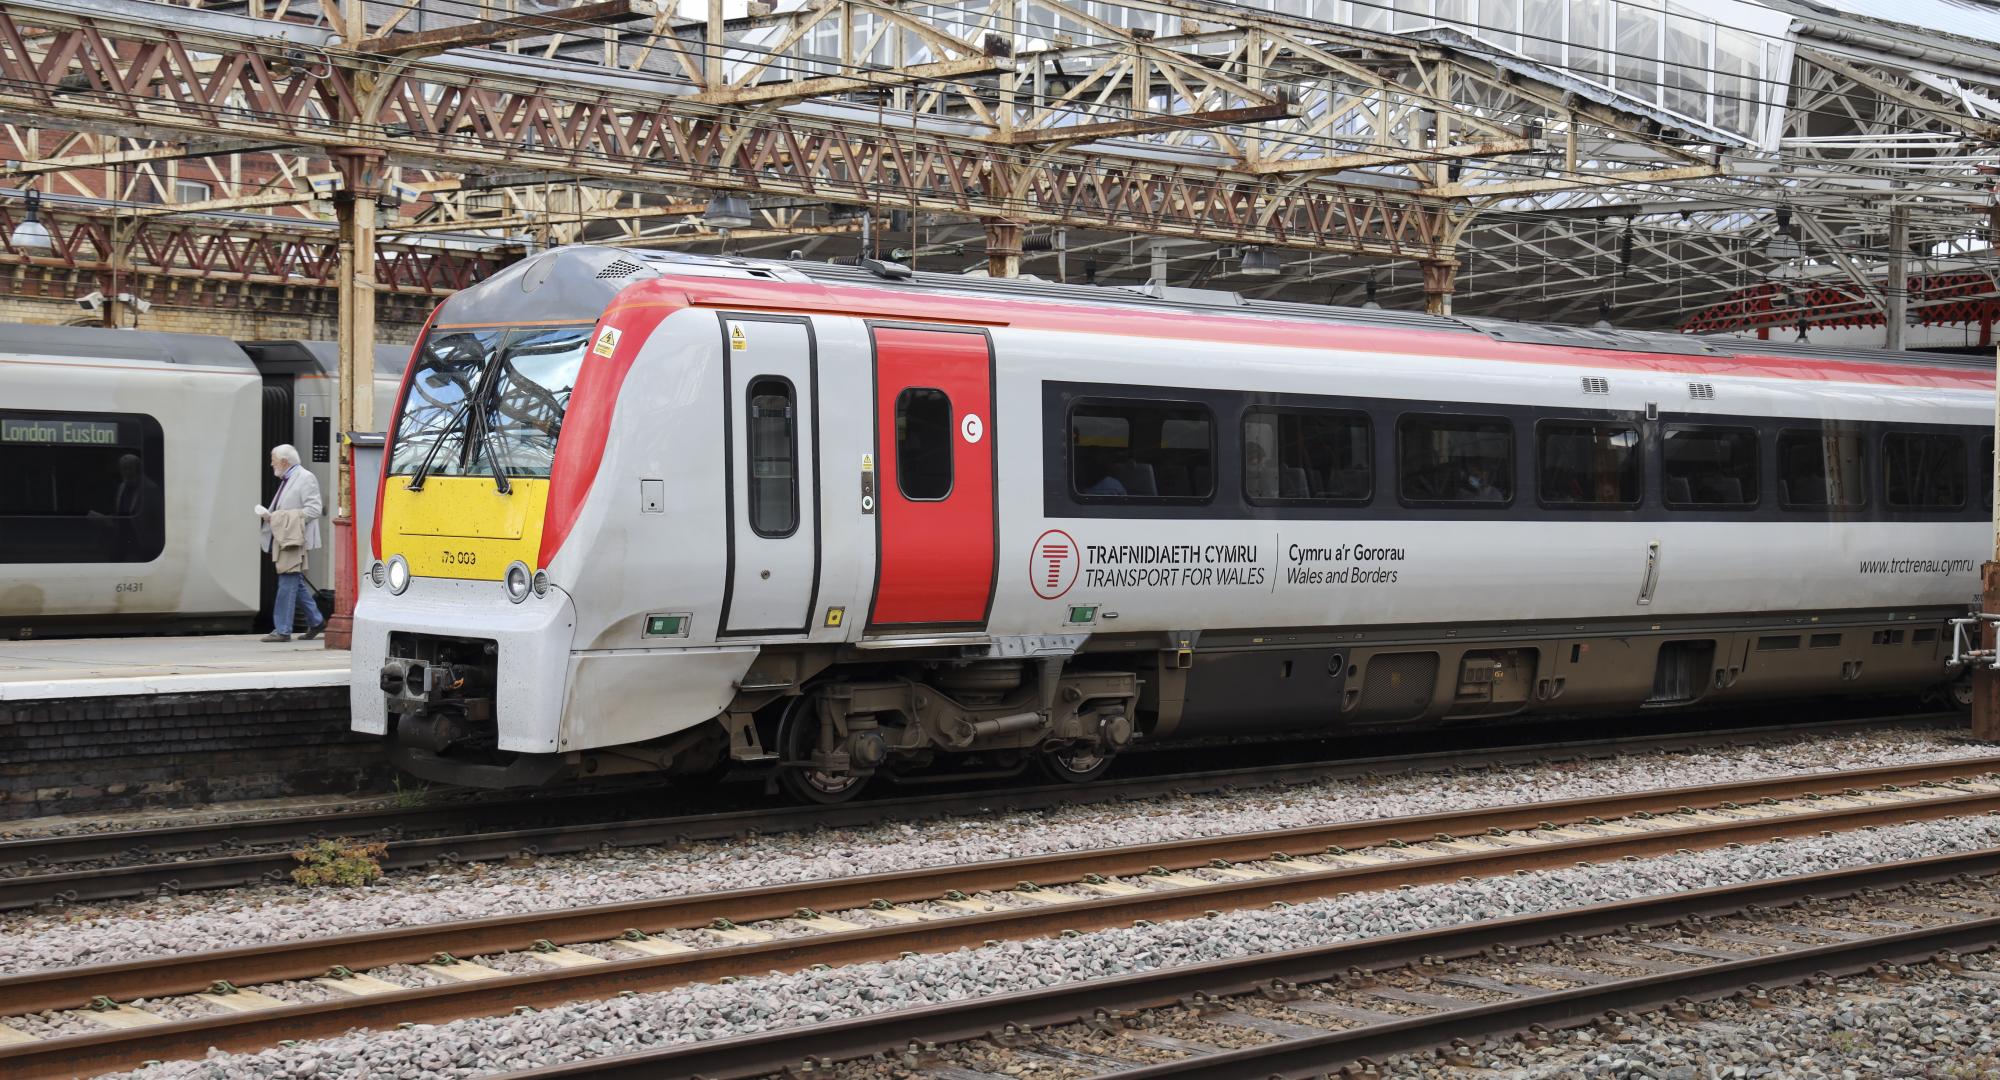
659 944
1320 1010
43 872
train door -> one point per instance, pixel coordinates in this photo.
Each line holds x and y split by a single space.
771 421
277 429
935 526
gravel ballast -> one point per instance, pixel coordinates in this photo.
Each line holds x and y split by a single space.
481 1046
1861 1028
138 929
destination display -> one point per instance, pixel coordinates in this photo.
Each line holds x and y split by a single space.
59 432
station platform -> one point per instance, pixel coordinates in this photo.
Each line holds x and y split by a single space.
89 725
118 667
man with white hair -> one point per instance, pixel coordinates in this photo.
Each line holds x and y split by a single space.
290 528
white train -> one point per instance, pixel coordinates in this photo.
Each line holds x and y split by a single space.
653 512
129 462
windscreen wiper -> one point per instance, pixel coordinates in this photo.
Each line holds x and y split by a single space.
417 479
474 429
499 471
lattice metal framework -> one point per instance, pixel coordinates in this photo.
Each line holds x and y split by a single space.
1202 125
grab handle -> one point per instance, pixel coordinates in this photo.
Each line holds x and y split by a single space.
1652 573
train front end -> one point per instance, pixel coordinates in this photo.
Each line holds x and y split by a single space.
464 627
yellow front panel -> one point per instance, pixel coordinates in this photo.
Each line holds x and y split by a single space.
462 526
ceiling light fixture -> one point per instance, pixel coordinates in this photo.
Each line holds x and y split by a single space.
30 236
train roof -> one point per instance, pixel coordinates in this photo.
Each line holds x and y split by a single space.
105 343
321 358
580 281
206 350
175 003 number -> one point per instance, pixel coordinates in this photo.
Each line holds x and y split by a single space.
458 558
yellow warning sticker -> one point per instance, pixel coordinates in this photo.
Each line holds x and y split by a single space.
607 341
834 615
737 341
868 463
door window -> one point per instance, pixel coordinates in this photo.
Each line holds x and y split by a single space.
771 429
923 444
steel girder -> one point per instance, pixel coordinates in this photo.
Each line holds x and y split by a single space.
101 240
1211 123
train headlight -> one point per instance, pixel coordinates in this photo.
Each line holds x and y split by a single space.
518 582
378 573
541 583
399 574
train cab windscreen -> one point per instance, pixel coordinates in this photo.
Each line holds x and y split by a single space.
81 487
487 402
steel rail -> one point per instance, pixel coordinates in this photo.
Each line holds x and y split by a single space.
767 1053
1569 1007
186 875
69 987
76 847
118 1049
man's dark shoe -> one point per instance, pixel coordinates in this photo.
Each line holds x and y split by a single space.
313 632
275 636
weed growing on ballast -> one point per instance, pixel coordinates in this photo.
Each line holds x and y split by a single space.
338 862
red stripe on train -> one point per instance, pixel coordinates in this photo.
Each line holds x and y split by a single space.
1253 330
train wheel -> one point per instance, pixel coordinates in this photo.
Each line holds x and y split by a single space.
1958 692
798 730
1073 764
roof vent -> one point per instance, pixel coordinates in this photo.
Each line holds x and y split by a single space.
1593 384
619 269
1701 391
886 270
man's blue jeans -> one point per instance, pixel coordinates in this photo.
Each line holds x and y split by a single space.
293 594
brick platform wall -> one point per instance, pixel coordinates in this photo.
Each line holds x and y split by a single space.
269 322
85 755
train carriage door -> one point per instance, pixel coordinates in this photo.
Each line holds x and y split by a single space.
934 440
771 421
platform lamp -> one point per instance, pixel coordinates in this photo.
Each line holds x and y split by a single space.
727 212
1260 262
30 236
1784 247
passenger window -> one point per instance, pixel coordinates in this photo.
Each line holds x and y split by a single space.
771 431
923 444
1306 456
1588 464
81 487
1712 468
1456 459
1141 450
1822 468
1923 472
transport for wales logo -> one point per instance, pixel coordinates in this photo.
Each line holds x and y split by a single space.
1053 564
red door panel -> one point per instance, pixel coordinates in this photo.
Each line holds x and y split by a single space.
935 552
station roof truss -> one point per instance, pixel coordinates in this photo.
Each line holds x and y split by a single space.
1124 136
